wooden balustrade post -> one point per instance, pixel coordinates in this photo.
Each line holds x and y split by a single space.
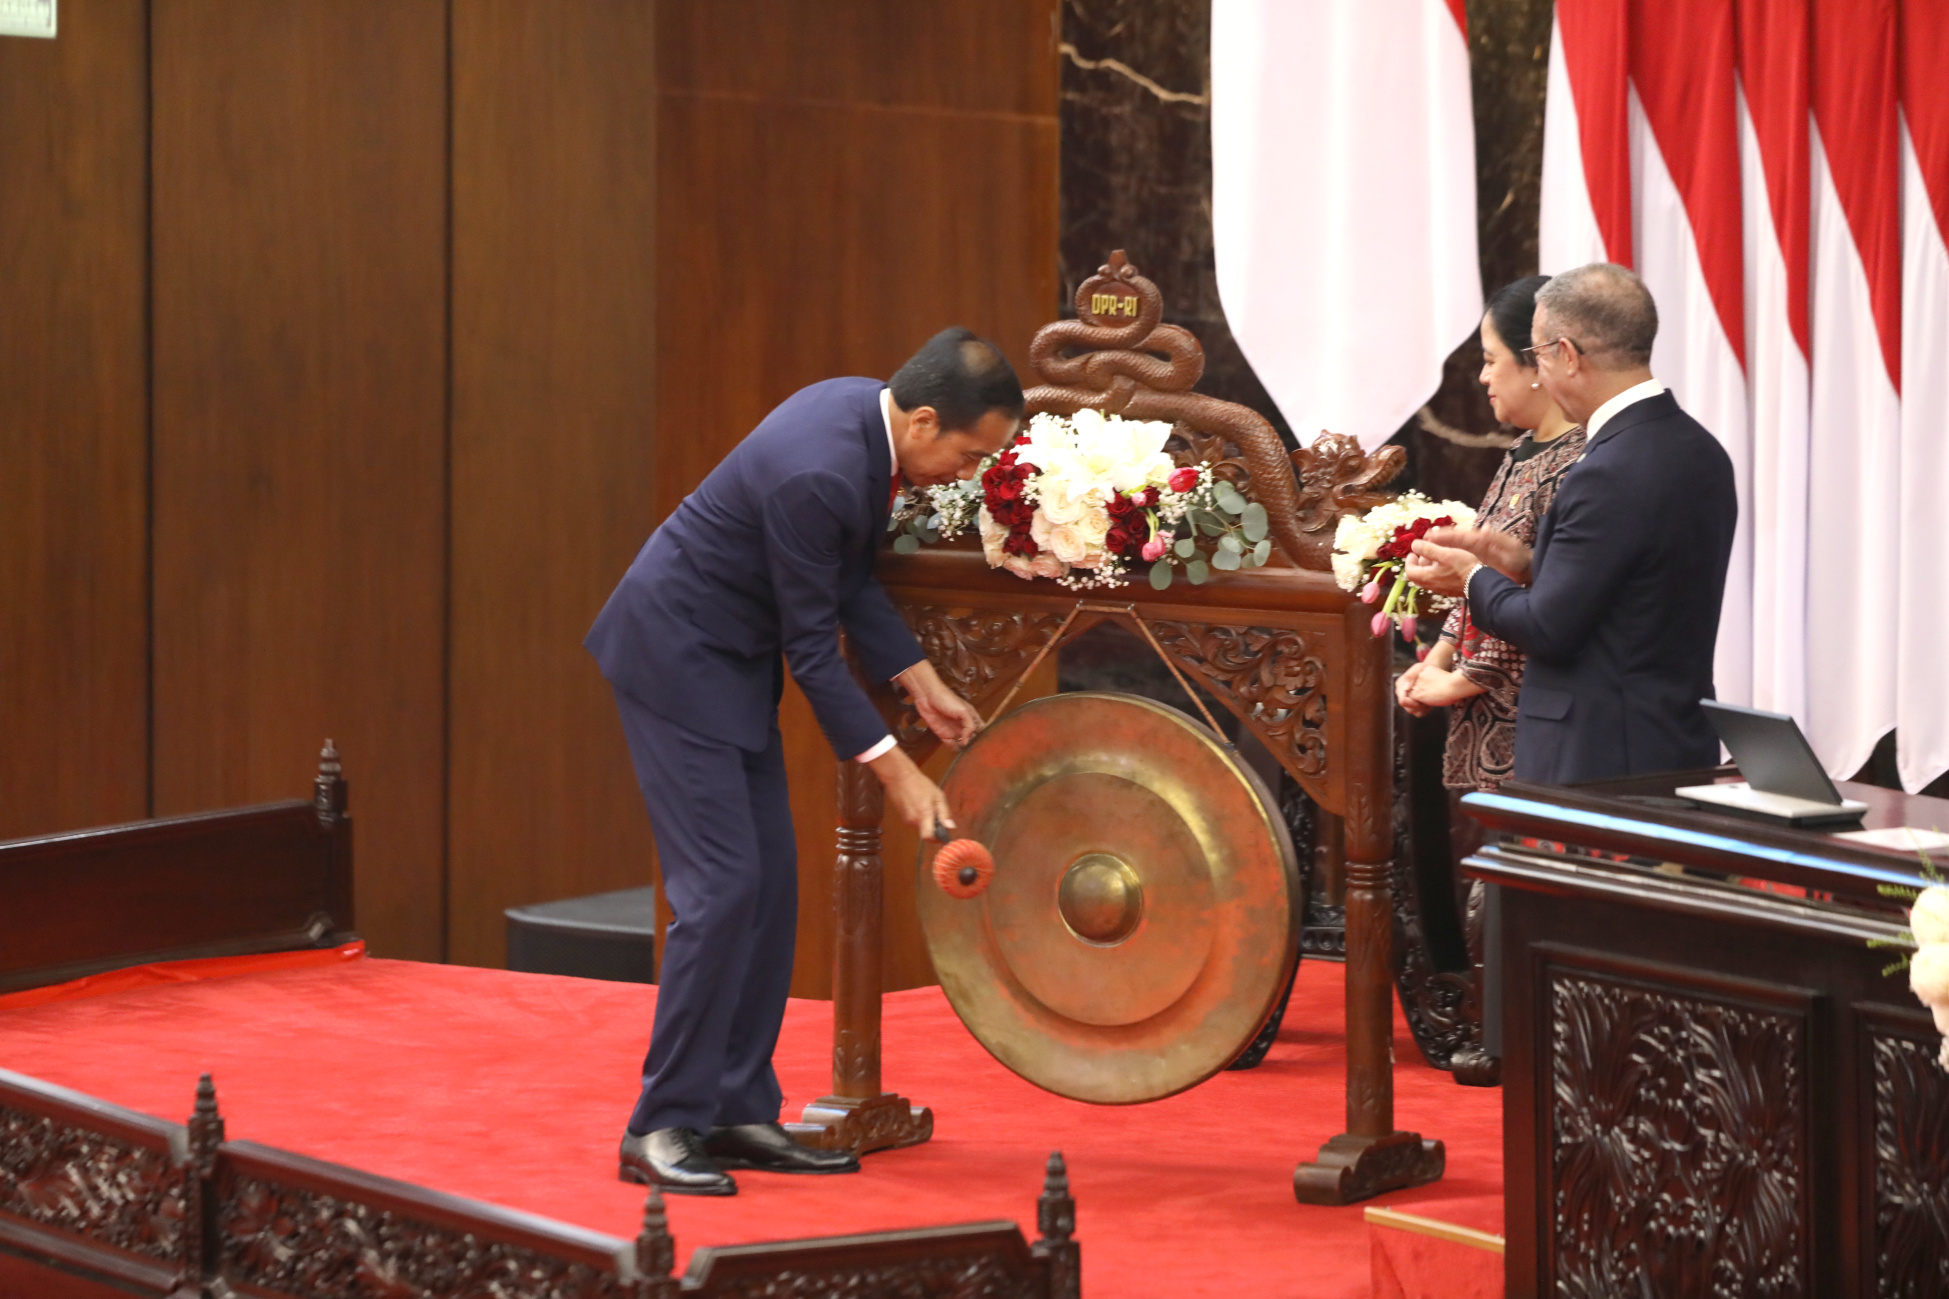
1370 1156
858 1116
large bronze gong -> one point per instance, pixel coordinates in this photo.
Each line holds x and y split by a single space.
1145 910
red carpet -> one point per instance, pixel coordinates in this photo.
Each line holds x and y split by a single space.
513 1088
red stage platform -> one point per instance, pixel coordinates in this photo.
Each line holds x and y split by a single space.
513 1087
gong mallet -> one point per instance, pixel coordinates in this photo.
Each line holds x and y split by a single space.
962 867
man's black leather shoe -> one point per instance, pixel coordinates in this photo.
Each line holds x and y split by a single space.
770 1147
673 1160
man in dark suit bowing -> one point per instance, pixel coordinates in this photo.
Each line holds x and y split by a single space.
760 568
1618 608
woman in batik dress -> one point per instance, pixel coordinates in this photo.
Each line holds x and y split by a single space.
1471 673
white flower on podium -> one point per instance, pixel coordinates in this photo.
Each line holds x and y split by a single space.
1928 919
1928 977
1928 937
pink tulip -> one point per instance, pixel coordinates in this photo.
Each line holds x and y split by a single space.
1154 549
1407 629
1421 653
1370 592
1184 480
1379 624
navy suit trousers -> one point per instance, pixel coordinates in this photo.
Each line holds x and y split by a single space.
729 868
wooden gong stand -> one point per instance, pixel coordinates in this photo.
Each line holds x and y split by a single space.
1281 646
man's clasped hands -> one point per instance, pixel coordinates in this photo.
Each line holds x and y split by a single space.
1441 562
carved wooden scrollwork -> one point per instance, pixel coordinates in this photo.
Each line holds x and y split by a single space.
1911 1168
302 1243
1678 1143
1336 477
1271 677
974 650
74 1180
1189 445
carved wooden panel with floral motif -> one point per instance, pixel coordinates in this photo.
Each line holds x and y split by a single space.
1911 1168
1677 1142
1275 679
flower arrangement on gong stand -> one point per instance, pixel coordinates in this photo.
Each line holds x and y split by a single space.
1086 499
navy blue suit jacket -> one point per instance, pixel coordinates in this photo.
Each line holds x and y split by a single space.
772 553
1622 610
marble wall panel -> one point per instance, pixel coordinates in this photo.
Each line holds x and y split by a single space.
1136 174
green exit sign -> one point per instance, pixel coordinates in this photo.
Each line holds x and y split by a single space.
27 18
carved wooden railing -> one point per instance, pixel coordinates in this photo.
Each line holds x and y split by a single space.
1282 647
96 1193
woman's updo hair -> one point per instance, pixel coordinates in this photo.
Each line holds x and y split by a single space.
1511 310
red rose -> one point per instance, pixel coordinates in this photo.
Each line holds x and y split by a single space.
1020 544
1183 480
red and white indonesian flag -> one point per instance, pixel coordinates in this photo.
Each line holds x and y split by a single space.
1778 171
1343 202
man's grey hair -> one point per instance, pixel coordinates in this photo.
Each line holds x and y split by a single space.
1606 310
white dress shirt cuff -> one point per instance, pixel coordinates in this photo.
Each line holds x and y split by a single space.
878 749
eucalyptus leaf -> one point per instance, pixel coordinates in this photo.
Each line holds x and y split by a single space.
906 544
934 522
1186 548
1254 521
1209 524
1160 575
1230 544
1223 559
1229 500
1261 552
928 535
1197 571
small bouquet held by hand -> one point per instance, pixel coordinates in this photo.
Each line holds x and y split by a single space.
1370 553
1087 498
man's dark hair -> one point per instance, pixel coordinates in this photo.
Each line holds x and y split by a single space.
962 377
1510 312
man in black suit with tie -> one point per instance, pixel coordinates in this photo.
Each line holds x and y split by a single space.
763 566
1618 608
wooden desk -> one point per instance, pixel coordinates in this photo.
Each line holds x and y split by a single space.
1709 1088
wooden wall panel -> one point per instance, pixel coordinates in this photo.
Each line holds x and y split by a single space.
554 410
300 237
74 636
836 183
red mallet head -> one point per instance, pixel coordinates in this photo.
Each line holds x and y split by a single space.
963 868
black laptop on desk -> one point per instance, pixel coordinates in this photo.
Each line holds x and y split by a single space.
1784 780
